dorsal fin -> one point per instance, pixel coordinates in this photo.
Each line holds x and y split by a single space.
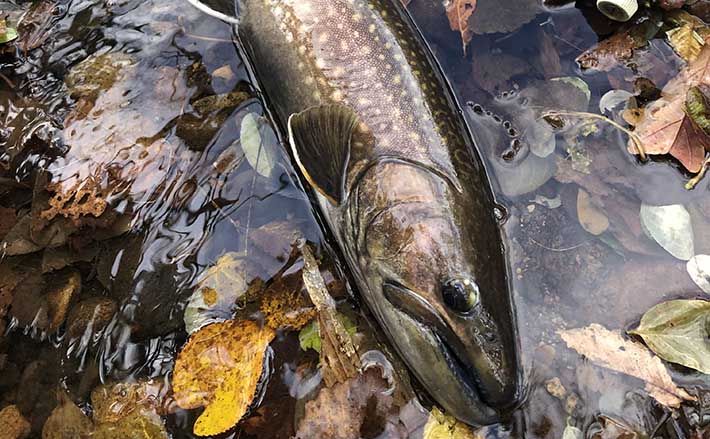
320 139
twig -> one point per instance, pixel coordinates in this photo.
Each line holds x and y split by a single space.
633 136
695 180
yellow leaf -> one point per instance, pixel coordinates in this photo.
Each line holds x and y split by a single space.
442 426
219 368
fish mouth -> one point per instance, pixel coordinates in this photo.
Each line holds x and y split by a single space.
457 386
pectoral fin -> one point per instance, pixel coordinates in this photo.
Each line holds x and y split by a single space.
320 140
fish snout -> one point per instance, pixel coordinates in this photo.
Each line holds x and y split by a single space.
454 356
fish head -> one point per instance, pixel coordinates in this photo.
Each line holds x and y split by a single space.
445 302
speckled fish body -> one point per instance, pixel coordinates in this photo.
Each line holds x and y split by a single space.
414 215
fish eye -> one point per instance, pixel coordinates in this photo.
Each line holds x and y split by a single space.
460 294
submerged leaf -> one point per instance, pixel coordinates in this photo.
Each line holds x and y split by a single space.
677 332
216 293
219 368
346 409
590 217
12 424
459 12
665 128
699 270
259 144
7 33
443 426
608 349
66 421
686 41
309 337
670 227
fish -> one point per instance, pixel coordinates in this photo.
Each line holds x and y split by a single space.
377 133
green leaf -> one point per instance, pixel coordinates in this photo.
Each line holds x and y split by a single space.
259 144
309 336
676 331
9 35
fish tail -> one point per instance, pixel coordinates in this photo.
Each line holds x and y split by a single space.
214 13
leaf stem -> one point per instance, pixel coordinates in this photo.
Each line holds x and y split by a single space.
699 176
581 114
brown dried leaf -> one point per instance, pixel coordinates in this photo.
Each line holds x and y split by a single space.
665 128
443 426
615 50
283 304
112 402
459 12
12 424
67 421
59 295
219 368
346 409
83 198
608 349
338 355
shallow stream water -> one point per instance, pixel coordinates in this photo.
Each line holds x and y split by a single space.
132 134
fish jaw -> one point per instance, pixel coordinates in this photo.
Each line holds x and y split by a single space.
432 363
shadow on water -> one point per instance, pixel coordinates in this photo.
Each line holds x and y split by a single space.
124 179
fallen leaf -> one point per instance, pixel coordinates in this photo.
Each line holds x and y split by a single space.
590 217
666 128
283 304
459 12
676 331
137 425
442 426
699 270
608 349
502 15
59 295
92 314
615 429
220 368
347 408
572 432
111 402
12 424
259 144
18 240
686 41
309 337
216 293
67 421
338 355
615 50
7 33
670 227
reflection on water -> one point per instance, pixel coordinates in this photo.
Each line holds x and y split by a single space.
126 180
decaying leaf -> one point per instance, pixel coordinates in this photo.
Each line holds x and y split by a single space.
590 217
670 227
617 49
677 332
443 426
259 144
58 297
338 357
346 409
283 304
12 424
686 41
608 349
112 402
459 13
137 425
502 15
699 270
666 128
572 432
219 368
85 197
66 421
217 291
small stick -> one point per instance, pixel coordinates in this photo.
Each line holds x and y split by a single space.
634 137
699 176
